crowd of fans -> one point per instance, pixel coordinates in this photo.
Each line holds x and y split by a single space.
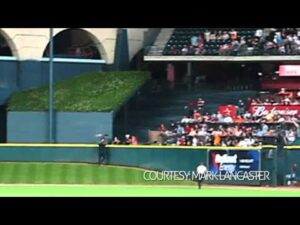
285 41
128 140
282 98
223 129
227 134
242 128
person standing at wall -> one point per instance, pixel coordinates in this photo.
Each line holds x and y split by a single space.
102 142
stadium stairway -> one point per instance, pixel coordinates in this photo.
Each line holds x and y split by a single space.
153 108
161 41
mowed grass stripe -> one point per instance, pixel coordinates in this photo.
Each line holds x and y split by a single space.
40 173
30 173
14 176
22 171
7 170
48 179
95 174
62 176
72 173
85 175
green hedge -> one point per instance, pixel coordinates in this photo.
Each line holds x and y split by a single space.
88 92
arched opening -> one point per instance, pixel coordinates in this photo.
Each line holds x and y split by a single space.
5 49
75 43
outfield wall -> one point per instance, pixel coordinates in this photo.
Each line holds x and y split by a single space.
149 157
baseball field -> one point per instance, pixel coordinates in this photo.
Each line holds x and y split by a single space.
90 180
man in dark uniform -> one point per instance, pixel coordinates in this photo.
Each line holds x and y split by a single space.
101 148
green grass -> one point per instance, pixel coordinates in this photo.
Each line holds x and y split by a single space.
137 191
72 173
88 92
67 179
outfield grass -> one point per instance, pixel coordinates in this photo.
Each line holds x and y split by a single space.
139 191
74 173
88 92
67 179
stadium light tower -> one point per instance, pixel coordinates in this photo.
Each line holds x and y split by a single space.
51 100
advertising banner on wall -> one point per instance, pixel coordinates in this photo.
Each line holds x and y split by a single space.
284 110
289 70
234 161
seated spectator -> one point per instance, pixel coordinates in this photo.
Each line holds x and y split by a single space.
116 141
270 117
228 119
162 128
187 129
202 132
217 137
192 132
181 141
219 35
233 35
220 117
194 41
194 141
206 36
225 36
290 137
200 103
258 33
180 130
286 100
242 143
212 36
239 119
134 140
184 50
196 115
128 139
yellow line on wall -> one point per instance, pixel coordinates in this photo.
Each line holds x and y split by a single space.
183 147
135 146
47 145
292 147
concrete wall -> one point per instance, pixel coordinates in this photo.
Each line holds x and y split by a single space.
17 75
135 40
8 79
70 127
30 43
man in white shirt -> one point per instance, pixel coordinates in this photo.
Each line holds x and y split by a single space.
201 170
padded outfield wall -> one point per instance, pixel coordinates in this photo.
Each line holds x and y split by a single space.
161 158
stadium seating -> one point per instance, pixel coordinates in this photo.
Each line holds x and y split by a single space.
253 45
